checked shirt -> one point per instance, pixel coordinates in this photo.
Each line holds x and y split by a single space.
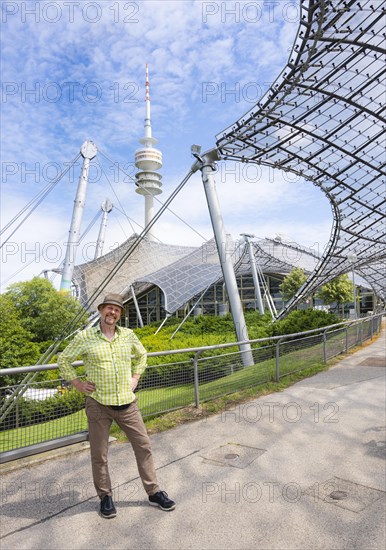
109 364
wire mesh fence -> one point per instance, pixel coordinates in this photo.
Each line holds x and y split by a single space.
224 374
34 413
335 342
166 387
45 411
299 354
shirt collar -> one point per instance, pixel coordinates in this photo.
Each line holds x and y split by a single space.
118 329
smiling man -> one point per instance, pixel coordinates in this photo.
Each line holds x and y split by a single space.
114 360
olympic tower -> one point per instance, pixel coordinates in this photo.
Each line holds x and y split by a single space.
148 159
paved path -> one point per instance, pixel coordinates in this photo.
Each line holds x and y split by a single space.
298 469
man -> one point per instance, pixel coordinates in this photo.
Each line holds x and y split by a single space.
111 378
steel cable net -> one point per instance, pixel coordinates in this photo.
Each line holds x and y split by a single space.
323 119
187 277
148 256
193 270
277 256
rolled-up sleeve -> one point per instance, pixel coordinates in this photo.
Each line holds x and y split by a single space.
68 356
139 362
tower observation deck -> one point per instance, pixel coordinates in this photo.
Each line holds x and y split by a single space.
148 159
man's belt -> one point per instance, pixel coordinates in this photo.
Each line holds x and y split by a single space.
119 407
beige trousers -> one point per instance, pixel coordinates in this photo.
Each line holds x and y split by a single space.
100 418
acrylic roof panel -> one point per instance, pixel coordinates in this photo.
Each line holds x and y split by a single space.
375 274
147 257
273 256
324 119
289 253
190 276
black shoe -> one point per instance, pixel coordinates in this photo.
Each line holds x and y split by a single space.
107 507
162 500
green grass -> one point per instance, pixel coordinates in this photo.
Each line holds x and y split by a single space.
265 371
30 435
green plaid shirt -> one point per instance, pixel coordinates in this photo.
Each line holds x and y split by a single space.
107 363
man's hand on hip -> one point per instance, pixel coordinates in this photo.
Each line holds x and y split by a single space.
84 386
134 382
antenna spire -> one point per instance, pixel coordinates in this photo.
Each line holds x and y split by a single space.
147 83
147 100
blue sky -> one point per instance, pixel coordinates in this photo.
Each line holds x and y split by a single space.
75 70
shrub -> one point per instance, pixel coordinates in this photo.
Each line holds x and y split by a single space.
306 319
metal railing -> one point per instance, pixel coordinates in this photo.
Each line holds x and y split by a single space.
46 414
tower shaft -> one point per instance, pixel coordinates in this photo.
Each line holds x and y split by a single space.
148 160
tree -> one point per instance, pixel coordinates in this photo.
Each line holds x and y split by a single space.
339 290
292 282
44 311
16 346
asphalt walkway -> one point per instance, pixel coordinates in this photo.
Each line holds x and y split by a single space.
298 469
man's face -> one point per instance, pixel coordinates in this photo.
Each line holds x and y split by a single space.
110 314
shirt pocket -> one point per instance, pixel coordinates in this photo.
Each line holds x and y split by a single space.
100 355
123 353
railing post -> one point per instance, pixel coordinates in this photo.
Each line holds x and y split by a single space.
325 347
277 360
196 384
346 339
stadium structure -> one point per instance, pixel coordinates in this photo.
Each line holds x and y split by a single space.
323 119
159 280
